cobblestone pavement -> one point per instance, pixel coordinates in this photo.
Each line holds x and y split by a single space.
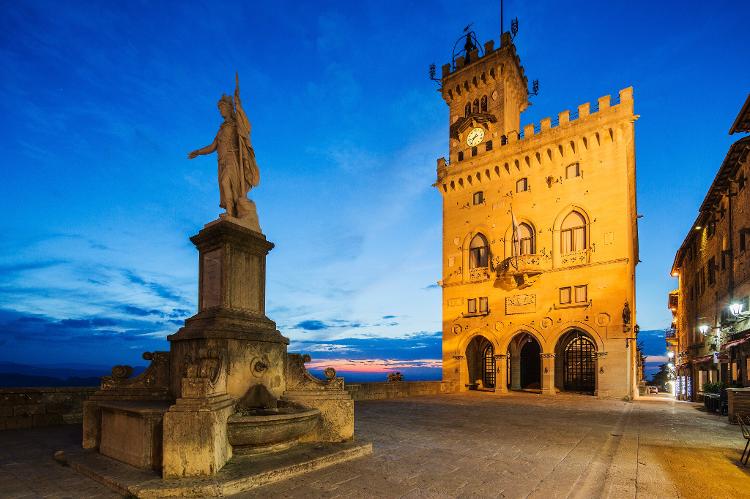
475 445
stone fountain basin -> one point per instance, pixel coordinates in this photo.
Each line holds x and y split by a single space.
258 431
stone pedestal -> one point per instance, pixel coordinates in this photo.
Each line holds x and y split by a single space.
231 317
132 432
501 374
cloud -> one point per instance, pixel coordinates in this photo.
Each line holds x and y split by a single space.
422 345
312 325
388 317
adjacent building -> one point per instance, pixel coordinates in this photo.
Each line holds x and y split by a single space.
710 334
540 236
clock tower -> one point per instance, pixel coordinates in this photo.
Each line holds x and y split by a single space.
540 237
486 92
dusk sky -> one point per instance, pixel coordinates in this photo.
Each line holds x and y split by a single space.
102 101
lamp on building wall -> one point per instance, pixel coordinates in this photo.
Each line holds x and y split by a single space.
735 308
703 329
670 355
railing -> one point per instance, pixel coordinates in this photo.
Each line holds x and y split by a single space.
479 274
576 257
522 264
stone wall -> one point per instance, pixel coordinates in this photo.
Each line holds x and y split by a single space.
30 407
401 389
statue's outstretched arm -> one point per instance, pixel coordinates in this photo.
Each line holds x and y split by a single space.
203 150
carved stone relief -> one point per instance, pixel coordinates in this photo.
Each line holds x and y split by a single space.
520 304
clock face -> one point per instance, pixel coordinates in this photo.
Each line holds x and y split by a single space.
475 137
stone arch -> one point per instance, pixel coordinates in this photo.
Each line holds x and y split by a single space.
508 236
478 229
556 239
523 360
469 352
576 360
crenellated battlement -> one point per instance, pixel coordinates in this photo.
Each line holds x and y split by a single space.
561 138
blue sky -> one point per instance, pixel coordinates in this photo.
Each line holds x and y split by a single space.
102 102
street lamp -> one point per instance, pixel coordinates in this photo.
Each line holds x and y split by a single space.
670 355
703 329
736 308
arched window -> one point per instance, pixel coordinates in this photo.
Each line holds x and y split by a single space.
573 233
478 252
525 237
483 104
475 107
467 109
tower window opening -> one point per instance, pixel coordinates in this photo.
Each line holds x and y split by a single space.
483 104
522 185
573 170
474 151
478 197
475 106
467 109
460 155
488 145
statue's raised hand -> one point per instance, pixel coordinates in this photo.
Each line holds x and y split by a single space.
193 155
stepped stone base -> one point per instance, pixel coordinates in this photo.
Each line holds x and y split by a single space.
240 474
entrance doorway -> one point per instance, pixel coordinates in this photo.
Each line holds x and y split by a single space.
480 359
524 363
575 363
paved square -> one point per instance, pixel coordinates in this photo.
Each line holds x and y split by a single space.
474 445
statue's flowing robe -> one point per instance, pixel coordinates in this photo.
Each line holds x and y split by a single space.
249 173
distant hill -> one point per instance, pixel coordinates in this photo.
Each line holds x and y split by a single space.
23 375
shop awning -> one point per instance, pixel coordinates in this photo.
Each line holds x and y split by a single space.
701 360
734 343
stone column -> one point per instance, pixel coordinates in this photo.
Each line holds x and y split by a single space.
501 374
548 373
515 370
462 372
601 371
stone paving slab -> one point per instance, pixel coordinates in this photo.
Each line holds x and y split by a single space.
475 445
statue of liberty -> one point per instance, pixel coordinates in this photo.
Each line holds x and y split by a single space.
238 170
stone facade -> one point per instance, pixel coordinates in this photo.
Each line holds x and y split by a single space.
539 236
710 341
32 407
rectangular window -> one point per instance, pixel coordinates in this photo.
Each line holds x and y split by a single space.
474 151
565 295
522 185
711 265
526 248
460 155
488 146
573 170
483 305
573 239
478 197
472 305
701 281
581 294
743 239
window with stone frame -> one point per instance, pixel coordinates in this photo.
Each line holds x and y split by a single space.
565 295
478 198
460 155
488 145
479 252
483 305
581 294
573 170
573 233
526 240
467 109
483 104
522 185
471 306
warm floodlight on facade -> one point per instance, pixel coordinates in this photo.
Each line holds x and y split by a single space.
736 308
703 329
675 274
698 227
670 355
670 365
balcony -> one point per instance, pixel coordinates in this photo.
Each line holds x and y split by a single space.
522 270
479 274
576 257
